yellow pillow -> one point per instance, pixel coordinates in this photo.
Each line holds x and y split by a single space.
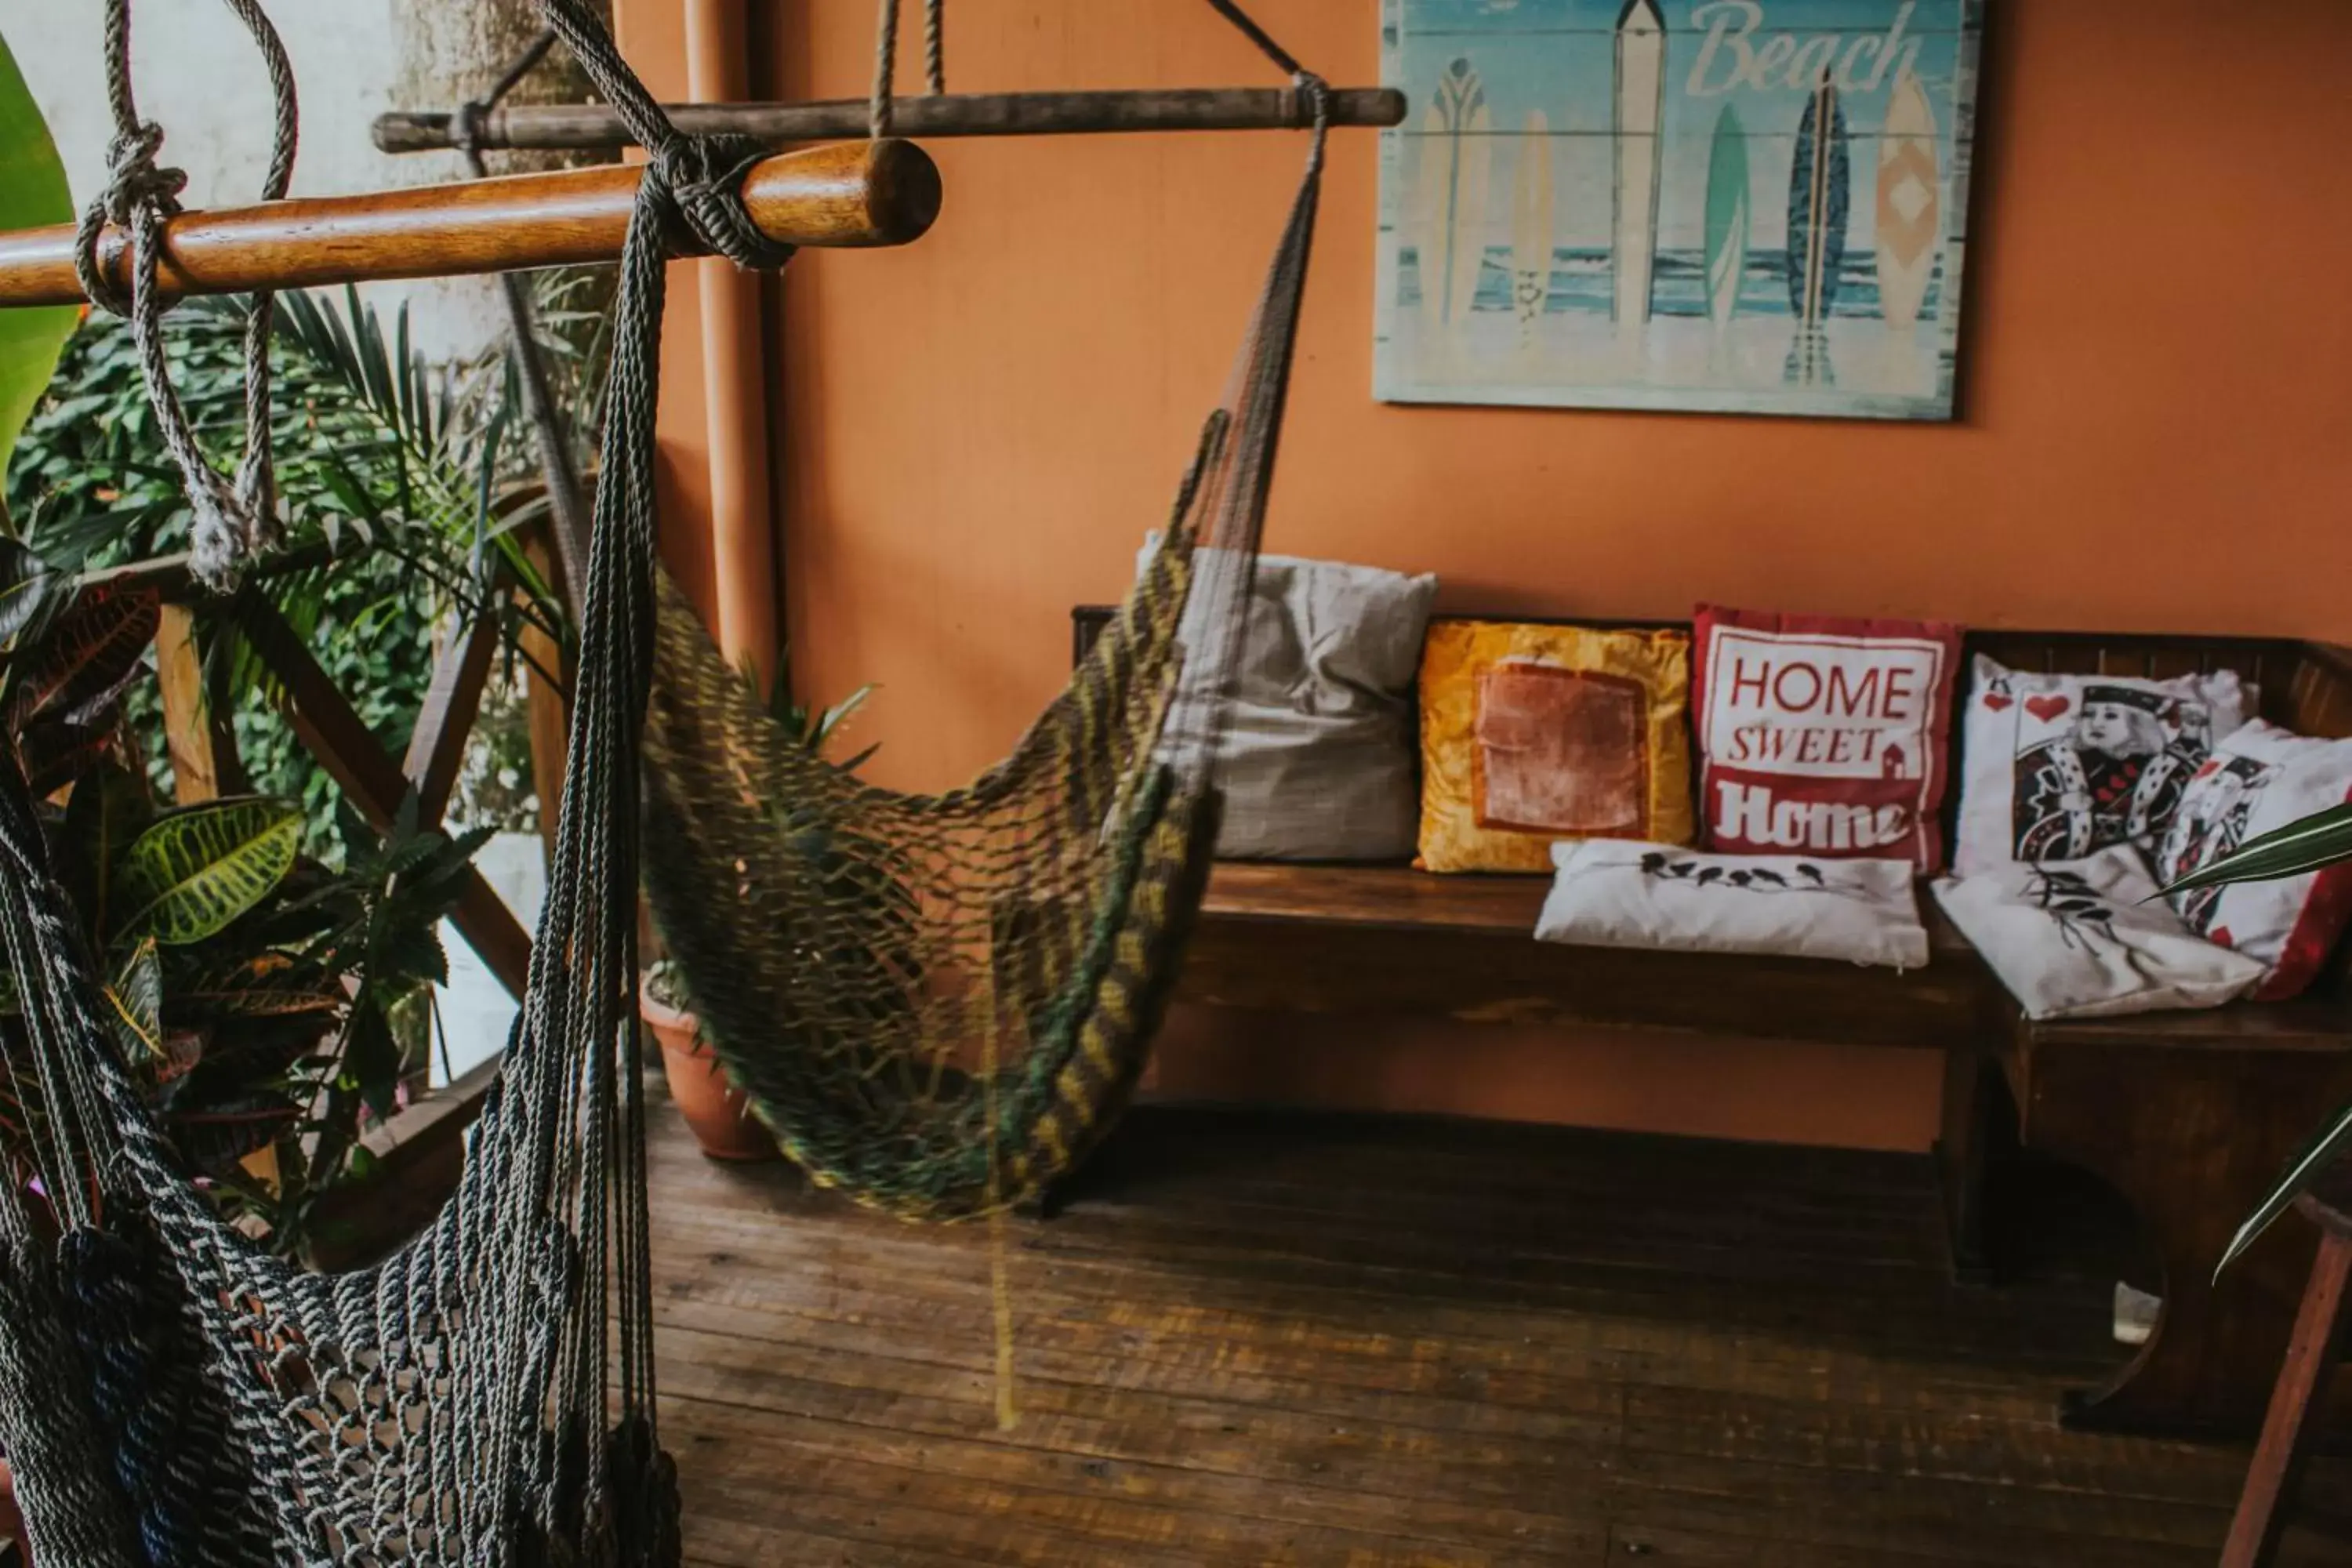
1530 734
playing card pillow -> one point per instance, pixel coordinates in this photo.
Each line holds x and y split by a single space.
2259 779
1533 733
2061 766
1825 737
1610 893
2089 939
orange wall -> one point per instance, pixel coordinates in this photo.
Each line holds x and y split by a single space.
976 431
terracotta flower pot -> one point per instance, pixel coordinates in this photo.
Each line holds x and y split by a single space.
718 1115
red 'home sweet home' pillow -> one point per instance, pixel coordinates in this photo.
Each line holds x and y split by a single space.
1823 736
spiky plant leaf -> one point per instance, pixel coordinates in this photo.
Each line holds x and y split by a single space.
33 194
195 871
2309 843
2328 1146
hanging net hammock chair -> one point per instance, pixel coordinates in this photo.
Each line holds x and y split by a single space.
938 1003
936 1000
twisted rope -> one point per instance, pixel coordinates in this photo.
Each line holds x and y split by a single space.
561 475
881 112
232 519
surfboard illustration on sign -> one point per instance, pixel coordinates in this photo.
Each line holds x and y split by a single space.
1910 204
1694 255
1819 196
1641 118
1455 150
1729 209
1531 230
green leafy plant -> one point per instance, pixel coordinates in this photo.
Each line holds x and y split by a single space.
394 471
810 724
32 194
2310 844
259 996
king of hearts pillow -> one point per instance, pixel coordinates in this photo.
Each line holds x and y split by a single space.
1825 737
2059 767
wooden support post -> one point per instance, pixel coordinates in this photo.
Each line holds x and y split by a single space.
545 685
861 194
201 741
436 747
371 780
594 126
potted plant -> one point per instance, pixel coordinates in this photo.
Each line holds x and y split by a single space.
715 1110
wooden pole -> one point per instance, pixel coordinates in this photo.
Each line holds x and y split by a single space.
593 126
734 381
857 194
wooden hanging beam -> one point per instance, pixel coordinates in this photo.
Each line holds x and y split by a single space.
594 126
855 193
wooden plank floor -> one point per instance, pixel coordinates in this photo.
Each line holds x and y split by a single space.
1269 1340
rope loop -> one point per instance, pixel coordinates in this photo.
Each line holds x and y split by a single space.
230 521
701 179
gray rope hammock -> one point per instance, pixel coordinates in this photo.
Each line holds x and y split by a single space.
952 995
172 1395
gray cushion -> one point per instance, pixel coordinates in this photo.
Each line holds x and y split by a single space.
1316 759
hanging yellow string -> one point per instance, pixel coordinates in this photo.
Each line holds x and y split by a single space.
999 1287
999 1276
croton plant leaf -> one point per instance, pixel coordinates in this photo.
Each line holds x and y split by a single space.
109 808
195 871
31 594
33 194
94 651
136 999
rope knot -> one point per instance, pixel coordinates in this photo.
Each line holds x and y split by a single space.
139 193
701 178
135 180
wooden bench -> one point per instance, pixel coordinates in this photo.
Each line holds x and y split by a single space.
2189 1115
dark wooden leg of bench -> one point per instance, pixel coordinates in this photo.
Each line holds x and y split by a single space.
1960 1163
2192 1139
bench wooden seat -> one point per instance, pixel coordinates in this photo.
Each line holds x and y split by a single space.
1327 939
2190 1116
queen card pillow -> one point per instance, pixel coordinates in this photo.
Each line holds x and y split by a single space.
1610 893
2257 779
1531 733
2062 766
1825 737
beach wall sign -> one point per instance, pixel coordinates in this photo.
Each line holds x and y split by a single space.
1752 206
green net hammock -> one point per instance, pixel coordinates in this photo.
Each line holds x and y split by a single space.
938 1003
